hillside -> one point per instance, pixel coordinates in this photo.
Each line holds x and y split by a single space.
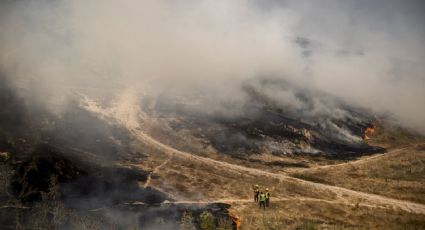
136 163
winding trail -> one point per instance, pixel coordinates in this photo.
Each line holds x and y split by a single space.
155 170
341 192
250 201
128 114
366 159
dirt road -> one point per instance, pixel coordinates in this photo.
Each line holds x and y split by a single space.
366 159
341 192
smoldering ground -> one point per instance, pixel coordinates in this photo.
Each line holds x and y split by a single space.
59 172
275 117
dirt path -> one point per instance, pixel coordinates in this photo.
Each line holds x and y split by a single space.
155 170
128 113
244 201
364 159
236 201
341 192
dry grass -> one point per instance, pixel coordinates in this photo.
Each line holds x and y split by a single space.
390 136
399 175
294 214
198 181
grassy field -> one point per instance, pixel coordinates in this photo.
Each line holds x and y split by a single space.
302 214
399 174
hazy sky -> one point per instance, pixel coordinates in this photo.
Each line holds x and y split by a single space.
367 52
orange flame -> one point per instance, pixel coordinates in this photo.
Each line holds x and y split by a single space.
236 220
368 131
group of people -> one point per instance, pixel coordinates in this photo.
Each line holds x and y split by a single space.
263 198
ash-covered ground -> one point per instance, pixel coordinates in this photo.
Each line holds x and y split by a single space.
65 171
273 116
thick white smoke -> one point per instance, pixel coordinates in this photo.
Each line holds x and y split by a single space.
368 54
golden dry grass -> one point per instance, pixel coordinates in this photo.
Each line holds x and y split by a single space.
295 214
303 207
399 175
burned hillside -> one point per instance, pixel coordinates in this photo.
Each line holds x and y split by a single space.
70 169
274 117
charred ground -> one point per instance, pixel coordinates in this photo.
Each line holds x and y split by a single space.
64 170
313 124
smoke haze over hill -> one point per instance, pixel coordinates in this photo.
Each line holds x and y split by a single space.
366 54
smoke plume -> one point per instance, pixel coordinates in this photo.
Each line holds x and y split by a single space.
367 54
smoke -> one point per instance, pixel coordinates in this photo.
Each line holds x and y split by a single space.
365 53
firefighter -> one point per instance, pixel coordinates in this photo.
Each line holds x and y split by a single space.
267 197
256 192
262 198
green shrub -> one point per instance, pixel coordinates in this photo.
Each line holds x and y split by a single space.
186 222
207 221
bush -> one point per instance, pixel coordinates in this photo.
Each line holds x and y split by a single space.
186 222
207 221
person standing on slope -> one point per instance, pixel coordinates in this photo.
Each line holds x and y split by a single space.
267 197
256 193
262 198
